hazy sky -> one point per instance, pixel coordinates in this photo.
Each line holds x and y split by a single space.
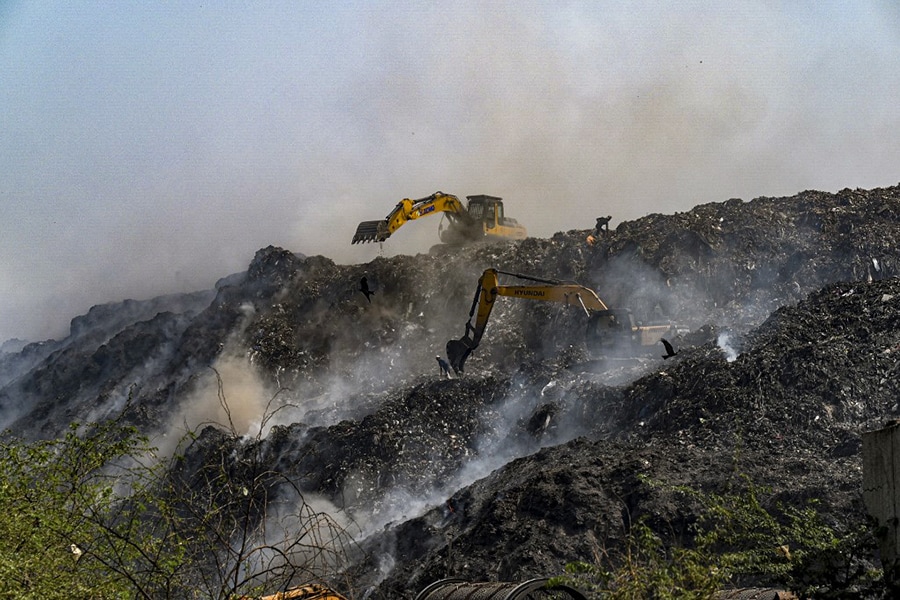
153 147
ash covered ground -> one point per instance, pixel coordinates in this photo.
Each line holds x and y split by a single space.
540 453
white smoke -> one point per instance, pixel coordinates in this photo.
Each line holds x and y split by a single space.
300 529
563 115
725 344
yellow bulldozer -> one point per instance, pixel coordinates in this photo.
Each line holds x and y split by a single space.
482 219
608 329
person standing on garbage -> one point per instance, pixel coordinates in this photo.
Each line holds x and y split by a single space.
602 225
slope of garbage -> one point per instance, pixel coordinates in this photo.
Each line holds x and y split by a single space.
541 453
786 411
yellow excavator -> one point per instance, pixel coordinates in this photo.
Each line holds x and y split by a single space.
609 329
307 592
482 220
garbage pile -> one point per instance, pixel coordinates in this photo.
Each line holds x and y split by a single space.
541 452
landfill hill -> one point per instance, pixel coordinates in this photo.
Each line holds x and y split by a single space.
788 351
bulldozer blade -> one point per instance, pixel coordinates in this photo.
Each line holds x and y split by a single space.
457 352
371 231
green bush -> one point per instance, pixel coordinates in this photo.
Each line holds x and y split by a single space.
645 568
56 503
96 515
736 542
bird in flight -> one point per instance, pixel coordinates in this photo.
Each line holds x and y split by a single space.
364 288
670 351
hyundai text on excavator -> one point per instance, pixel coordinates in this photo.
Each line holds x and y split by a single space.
608 330
482 220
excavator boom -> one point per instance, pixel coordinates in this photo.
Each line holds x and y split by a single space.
407 210
611 324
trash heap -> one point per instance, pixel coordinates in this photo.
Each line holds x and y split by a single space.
540 454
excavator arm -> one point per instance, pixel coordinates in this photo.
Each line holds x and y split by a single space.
489 289
407 210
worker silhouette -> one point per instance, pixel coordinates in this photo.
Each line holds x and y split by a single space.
445 368
602 224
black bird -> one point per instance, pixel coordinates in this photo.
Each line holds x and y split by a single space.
364 288
670 351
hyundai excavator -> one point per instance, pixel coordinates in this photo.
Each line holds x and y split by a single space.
609 329
312 591
482 220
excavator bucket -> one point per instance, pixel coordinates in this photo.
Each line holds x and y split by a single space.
458 351
371 231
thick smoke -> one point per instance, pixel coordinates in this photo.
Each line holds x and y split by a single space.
626 282
292 131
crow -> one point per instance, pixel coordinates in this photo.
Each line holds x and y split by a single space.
670 351
364 288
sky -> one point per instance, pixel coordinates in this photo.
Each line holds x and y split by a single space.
149 148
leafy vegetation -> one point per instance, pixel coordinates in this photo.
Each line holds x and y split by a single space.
96 515
57 529
737 542
645 568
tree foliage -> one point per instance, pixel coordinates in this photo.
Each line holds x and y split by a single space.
56 499
96 514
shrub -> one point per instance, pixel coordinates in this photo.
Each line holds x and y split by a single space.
737 542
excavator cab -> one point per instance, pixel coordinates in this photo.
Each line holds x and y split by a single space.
615 332
610 330
488 210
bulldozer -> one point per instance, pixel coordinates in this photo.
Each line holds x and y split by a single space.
609 330
482 219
